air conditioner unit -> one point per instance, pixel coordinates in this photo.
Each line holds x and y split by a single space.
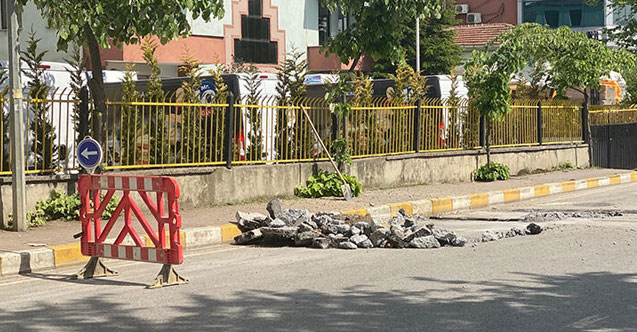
474 18
462 9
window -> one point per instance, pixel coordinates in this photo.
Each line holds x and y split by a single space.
255 45
324 24
4 15
570 13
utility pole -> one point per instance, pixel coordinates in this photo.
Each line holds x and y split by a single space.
17 131
418 44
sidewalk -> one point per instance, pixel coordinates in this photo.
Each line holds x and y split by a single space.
60 232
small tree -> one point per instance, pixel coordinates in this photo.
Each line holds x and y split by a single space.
159 144
221 96
44 149
190 118
80 110
131 120
336 92
291 88
254 87
572 61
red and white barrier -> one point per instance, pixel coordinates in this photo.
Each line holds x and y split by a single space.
94 237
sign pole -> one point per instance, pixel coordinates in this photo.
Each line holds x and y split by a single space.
17 130
418 44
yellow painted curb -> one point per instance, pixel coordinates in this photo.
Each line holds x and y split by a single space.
360 212
228 232
568 186
395 207
592 182
444 204
512 195
615 179
542 190
66 254
633 176
479 200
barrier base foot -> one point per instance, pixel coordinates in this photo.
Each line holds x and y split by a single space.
167 277
95 268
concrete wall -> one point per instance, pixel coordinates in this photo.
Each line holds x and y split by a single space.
203 187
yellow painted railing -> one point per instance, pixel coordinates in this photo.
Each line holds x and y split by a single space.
170 132
612 114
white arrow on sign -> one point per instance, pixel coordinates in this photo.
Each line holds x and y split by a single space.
86 153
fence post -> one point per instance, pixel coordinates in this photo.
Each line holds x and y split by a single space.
417 125
482 131
229 153
540 123
585 136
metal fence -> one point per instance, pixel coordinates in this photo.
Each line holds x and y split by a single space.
169 132
612 114
51 131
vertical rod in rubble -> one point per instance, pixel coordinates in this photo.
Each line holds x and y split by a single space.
17 126
229 153
540 131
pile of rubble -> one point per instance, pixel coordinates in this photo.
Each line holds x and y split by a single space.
535 216
531 229
324 230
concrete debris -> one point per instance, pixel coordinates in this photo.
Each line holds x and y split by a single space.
425 242
535 217
250 221
274 208
489 236
277 223
249 237
533 229
358 239
347 245
294 227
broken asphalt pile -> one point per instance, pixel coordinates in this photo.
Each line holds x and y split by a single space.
294 227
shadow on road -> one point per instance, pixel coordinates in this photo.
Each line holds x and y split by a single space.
518 302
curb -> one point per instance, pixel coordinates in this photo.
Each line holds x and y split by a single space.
27 261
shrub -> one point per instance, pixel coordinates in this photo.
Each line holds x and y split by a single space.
492 172
565 165
61 207
326 184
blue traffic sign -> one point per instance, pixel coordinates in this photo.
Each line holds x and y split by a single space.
89 153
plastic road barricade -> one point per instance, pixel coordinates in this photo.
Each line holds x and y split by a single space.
161 244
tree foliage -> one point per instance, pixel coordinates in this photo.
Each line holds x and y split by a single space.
624 35
124 22
439 53
94 23
377 28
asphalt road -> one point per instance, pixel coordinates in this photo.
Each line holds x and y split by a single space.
580 275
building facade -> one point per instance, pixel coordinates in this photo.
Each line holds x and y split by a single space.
31 19
572 13
260 32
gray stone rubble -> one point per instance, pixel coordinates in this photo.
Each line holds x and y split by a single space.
322 230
